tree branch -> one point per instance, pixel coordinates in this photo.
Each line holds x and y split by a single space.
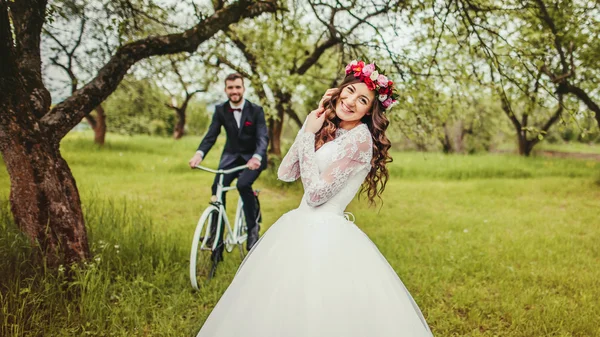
179 77
62 46
235 68
583 96
546 18
290 112
68 113
78 41
69 72
532 99
555 116
316 54
243 48
218 4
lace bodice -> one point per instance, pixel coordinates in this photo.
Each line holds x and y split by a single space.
332 175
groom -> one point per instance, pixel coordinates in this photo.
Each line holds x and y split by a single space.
246 144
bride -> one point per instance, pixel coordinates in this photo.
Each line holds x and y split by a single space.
314 273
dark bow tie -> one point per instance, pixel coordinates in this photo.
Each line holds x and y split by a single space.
234 109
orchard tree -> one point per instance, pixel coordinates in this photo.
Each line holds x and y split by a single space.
44 197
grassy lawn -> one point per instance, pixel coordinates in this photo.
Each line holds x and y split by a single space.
488 245
568 147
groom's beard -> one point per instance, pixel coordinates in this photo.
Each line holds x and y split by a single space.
237 99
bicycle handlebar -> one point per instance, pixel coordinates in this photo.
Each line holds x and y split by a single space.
221 171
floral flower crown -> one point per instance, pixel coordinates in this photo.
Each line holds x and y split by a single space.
371 75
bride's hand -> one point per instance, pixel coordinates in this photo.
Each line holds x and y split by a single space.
314 120
328 94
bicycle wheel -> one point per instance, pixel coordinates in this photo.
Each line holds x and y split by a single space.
203 263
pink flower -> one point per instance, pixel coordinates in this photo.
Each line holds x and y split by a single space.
350 65
368 69
387 103
382 80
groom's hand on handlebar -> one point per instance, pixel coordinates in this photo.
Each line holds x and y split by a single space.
196 160
253 163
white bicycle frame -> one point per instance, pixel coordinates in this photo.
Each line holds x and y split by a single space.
232 237
222 213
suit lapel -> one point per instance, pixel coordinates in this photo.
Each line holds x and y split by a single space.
245 114
229 117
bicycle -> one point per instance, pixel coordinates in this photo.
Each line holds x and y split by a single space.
208 230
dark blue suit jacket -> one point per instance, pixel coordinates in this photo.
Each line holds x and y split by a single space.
249 139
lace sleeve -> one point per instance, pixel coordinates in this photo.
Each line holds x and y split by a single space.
356 151
289 169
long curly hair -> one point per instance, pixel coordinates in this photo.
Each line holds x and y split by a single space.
375 182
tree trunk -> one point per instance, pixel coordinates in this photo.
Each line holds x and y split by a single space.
100 129
275 128
460 138
98 124
276 124
446 144
44 198
525 145
179 130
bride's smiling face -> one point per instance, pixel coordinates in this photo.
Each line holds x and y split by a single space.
354 102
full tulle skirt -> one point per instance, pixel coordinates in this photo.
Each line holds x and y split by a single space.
315 274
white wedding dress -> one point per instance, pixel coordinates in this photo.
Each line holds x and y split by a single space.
314 273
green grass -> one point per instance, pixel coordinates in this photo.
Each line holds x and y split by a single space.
572 147
568 147
489 245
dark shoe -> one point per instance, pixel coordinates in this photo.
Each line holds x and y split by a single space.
252 238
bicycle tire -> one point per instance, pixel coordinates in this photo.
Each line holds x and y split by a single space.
203 263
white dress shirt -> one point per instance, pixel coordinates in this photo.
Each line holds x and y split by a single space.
238 114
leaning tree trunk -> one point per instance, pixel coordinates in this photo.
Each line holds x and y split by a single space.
43 195
45 201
